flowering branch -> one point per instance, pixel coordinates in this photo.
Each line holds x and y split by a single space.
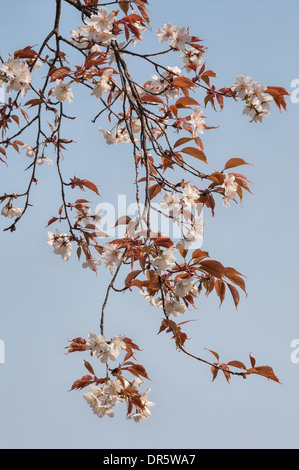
156 118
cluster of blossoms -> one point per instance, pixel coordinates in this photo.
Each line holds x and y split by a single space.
197 121
175 205
96 30
98 347
18 75
31 153
85 217
103 399
119 136
182 288
257 102
62 92
111 255
61 244
192 56
9 211
230 189
166 275
165 260
178 38
161 85
104 84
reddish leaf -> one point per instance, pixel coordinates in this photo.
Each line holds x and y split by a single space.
131 276
195 152
59 74
27 53
77 344
220 290
235 278
166 242
199 255
182 141
235 294
34 102
51 221
213 267
154 191
183 82
124 220
82 383
124 6
237 364
89 367
186 101
252 360
151 99
233 162
90 185
214 353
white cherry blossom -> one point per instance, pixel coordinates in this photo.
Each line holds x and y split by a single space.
62 92
197 121
61 244
165 260
190 195
145 412
11 212
96 344
111 255
242 86
167 33
183 286
230 189
42 160
175 308
172 203
180 38
30 152
91 264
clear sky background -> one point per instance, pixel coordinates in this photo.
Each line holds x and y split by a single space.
44 301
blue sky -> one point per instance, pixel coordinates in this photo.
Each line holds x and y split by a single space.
44 302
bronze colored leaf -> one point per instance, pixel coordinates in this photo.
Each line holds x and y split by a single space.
182 141
213 267
233 162
186 101
235 294
214 353
195 152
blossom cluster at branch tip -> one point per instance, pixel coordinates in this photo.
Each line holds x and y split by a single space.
230 189
103 350
111 255
62 92
10 212
257 102
31 153
18 74
61 244
103 399
165 260
178 37
96 31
